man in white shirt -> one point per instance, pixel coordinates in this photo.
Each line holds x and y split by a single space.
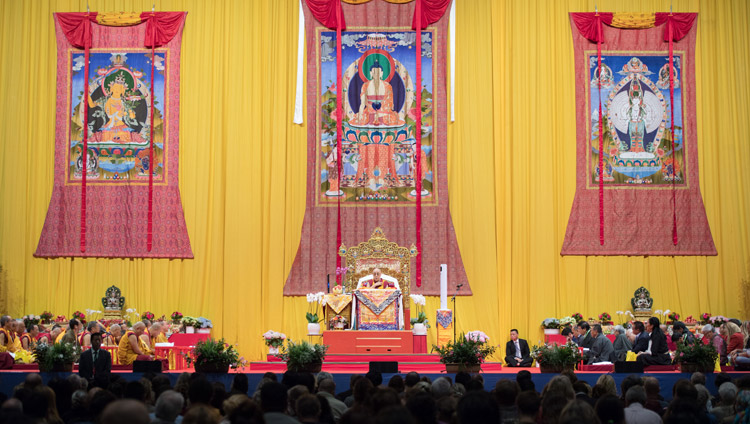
635 413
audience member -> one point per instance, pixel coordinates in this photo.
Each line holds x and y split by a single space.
609 410
635 399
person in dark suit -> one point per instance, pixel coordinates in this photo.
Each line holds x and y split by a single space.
95 364
657 352
584 335
641 337
517 353
602 349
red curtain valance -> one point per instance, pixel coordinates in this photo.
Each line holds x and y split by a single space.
325 12
432 11
77 27
681 23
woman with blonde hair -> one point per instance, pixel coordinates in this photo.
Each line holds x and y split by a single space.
746 333
735 341
605 385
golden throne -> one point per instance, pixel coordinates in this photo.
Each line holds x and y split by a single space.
377 252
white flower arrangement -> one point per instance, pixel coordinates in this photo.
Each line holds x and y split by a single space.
418 299
477 336
315 297
567 321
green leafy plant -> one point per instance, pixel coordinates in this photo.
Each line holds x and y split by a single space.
313 303
464 351
214 352
189 321
301 356
421 318
551 323
557 356
695 352
48 356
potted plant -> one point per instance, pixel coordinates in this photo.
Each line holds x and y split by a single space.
274 340
46 317
313 322
605 318
567 322
204 325
466 354
695 356
80 316
551 326
303 356
717 320
705 318
176 317
672 317
215 356
420 323
31 319
189 323
552 357
148 315
56 357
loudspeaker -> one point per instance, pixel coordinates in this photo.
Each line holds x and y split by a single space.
629 367
384 367
147 366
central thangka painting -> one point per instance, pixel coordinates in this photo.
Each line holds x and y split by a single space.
378 144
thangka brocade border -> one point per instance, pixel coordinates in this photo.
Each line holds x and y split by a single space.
377 309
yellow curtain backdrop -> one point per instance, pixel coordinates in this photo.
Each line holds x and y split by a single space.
511 166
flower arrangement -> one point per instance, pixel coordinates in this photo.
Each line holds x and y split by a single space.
148 315
477 336
214 356
176 317
605 318
61 319
46 317
567 322
90 313
577 316
55 356
465 351
338 321
341 273
695 353
556 357
31 319
672 317
80 316
551 323
303 356
313 301
717 320
205 323
421 318
690 320
189 321
705 318
624 316
274 338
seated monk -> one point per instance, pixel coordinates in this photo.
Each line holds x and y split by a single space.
131 346
162 337
113 338
29 339
19 330
377 281
149 337
54 333
7 334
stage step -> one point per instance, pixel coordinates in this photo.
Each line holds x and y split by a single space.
359 357
364 366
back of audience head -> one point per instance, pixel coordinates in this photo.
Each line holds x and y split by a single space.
578 411
327 385
583 387
422 408
397 383
635 394
685 390
441 387
273 397
552 406
361 391
240 384
169 405
506 392
382 398
294 394
698 378
375 377
394 414
628 382
523 378
463 377
200 390
201 414
651 386
247 412
477 407
561 385
411 379
728 393
528 404
604 385
125 411
308 408
609 410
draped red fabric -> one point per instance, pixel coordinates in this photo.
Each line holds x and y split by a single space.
586 24
74 24
681 24
418 22
166 26
326 12
430 12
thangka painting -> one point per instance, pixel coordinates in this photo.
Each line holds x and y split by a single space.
123 150
647 160
379 146
379 151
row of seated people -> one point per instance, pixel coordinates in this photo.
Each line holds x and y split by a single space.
137 343
649 341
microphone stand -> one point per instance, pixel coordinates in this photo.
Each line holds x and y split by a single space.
455 316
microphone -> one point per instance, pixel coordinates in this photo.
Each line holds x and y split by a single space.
458 286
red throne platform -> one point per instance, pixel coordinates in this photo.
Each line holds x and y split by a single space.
369 342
